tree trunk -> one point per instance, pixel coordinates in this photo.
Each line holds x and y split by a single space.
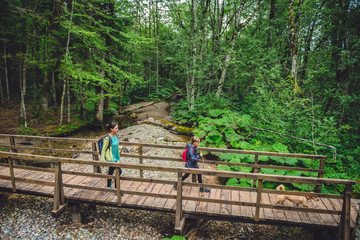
22 78
293 46
65 78
99 106
271 19
1 91
237 28
44 98
6 75
194 43
62 101
157 45
68 102
54 87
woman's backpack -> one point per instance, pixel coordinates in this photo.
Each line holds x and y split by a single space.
101 142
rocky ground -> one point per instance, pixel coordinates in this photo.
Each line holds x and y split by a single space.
28 217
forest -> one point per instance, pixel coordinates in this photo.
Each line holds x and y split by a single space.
277 75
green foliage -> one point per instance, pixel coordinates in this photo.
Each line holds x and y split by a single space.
26 131
175 237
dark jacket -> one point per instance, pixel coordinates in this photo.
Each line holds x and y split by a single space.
192 157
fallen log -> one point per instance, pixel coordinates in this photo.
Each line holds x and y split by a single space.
168 125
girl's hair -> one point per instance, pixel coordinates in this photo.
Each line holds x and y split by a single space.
195 139
109 126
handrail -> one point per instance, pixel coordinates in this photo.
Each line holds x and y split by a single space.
253 176
293 155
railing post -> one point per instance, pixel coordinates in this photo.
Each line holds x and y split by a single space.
344 229
12 175
12 144
50 153
258 200
97 169
255 169
59 198
193 178
141 161
179 220
118 193
320 174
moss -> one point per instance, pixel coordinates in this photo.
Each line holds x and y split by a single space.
169 125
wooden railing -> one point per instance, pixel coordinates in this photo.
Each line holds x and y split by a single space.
256 166
59 198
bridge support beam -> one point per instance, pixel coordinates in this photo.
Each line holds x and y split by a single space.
344 228
179 218
59 198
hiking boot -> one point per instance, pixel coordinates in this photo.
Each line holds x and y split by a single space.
204 189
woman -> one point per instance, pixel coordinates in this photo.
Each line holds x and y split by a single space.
192 159
110 150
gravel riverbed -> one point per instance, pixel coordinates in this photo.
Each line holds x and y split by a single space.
29 217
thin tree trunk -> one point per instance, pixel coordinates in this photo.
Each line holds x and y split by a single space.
238 26
194 42
67 58
68 101
271 19
294 47
6 75
1 91
22 93
62 101
157 45
54 87
99 107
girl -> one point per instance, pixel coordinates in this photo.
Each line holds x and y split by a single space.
110 152
192 159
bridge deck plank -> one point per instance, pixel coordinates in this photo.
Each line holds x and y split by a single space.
278 214
225 208
268 213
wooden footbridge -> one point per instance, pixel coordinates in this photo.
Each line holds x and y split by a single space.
24 172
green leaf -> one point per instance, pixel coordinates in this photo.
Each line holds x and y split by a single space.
208 128
221 167
201 134
245 183
279 147
221 145
263 158
244 121
245 169
219 122
280 172
214 137
268 171
270 185
232 182
228 156
216 112
235 144
304 187
293 173
231 135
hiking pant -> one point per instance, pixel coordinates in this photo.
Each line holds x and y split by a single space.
188 174
111 172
